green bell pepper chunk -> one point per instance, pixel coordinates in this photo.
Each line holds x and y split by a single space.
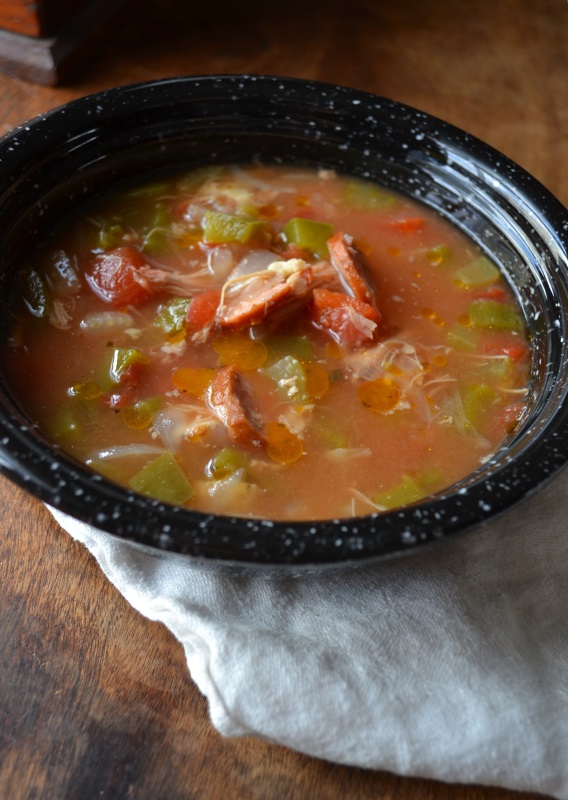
405 493
493 314
225 462
172 316
480 272
122 358
367 196
309 235
290 378
221 228
163 480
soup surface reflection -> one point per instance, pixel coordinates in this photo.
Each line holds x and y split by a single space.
269 341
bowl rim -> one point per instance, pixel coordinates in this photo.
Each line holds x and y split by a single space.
73 489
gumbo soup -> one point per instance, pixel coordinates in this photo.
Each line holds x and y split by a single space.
269 341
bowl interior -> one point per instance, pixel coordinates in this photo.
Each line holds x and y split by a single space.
70 154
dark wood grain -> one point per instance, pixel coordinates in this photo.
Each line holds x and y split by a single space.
96 701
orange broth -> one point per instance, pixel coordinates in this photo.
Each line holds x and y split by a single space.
119 371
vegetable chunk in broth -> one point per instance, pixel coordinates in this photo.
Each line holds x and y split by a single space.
269 341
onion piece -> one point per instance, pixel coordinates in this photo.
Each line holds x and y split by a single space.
105 320
123 451
170 425
220 261
349 453
254 261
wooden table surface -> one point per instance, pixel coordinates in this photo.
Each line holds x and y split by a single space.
96 701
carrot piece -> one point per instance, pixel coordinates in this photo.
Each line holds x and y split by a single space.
195 380
282 445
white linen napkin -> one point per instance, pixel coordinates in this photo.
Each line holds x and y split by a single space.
451 663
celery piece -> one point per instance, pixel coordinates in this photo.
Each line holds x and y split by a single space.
493 314
36 295
463 338
122 358
290 377
223 228
225 462
309 235
405 493
480 272
367 196
299 347
163 479
438 255
478 401
172 316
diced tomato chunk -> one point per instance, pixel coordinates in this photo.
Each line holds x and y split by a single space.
115 277
350 322
202 310
492 293
408 224
506 345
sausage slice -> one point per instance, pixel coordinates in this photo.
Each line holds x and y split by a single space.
347 261
231 400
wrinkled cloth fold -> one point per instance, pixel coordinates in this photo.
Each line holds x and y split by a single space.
448 663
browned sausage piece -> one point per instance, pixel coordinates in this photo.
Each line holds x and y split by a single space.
351 271
230 398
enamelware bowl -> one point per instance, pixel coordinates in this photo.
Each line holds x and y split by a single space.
65 156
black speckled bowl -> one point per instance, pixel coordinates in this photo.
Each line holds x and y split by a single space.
56 160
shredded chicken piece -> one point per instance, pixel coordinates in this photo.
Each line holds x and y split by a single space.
175 282
60 316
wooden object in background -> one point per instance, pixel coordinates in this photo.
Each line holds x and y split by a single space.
41 42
